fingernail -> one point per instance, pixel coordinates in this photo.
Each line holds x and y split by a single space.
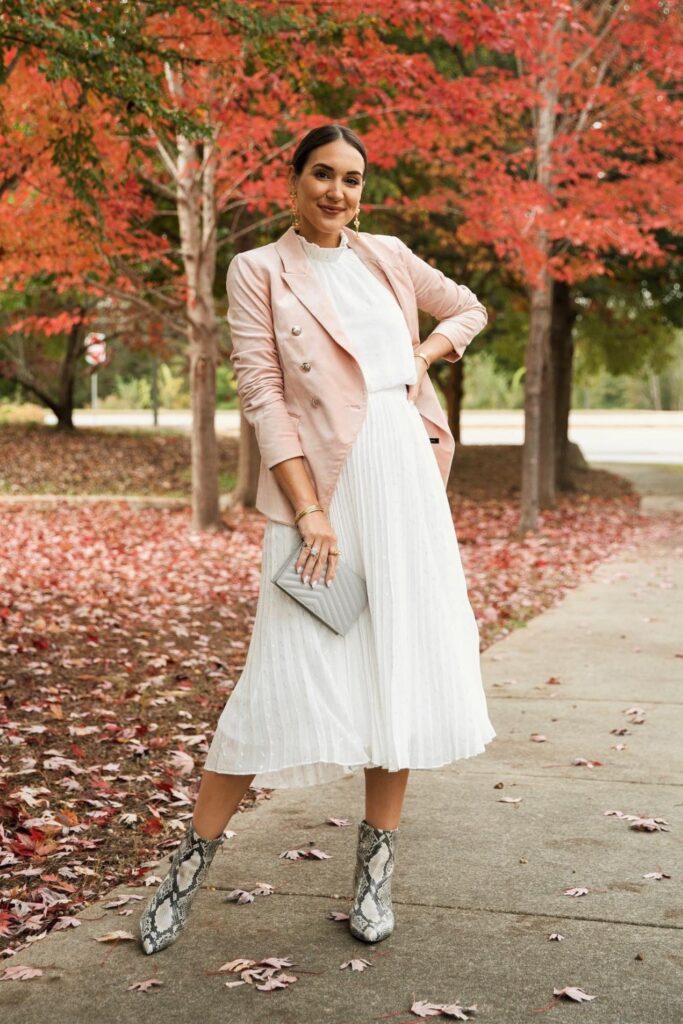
328 583
299 568
305 579
314 583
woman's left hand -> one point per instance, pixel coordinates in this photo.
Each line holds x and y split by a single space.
414 389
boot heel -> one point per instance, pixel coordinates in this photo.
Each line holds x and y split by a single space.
165 915
372 917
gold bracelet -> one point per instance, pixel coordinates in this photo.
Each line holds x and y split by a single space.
419 355
309 508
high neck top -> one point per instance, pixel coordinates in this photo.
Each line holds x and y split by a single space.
325 253
375 328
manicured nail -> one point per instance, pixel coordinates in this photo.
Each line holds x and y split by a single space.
328 583
314 583
299 568
305 580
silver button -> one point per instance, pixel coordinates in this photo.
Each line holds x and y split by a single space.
296 329
305 366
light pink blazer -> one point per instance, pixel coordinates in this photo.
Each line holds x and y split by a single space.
298 382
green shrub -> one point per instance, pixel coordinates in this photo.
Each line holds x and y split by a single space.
486 386
174 392
25 412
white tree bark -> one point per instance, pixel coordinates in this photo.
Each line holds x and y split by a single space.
194 176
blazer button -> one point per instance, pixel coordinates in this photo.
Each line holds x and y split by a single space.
296 329
306 366
315 402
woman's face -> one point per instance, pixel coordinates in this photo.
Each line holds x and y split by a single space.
328 191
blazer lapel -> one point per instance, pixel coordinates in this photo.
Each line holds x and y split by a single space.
302 279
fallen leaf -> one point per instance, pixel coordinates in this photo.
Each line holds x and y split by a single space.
114 937
144 986
571 992
422 1009
20 972
357 964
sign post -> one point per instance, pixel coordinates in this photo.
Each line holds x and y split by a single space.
95 354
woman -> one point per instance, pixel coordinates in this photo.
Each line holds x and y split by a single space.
355 454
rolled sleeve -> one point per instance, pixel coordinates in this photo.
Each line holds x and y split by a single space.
254 356
460 313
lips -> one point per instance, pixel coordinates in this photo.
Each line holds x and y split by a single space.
332 209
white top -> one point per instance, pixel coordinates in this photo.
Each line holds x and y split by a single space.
372 317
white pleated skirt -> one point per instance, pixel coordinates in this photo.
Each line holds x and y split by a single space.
403 688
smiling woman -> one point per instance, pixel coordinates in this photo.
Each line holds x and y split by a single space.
333 377
327 192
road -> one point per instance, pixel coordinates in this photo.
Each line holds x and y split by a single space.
637 435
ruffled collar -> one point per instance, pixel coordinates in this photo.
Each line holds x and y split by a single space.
324 253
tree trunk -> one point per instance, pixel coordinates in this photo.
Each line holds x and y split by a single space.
64 406
537 359
546 461
454 392
248 467
540 299
562 352
196 203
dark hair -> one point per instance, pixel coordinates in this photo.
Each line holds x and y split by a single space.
320 137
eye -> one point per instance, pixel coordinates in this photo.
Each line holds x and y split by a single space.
349 181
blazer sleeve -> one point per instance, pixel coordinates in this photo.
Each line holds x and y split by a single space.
461 314
254 356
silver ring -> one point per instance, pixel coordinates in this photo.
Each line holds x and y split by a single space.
314 551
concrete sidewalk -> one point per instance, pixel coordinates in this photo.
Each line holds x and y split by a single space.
479 884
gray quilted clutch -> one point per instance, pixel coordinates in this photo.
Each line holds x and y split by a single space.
337 606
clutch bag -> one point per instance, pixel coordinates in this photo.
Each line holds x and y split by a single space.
338 606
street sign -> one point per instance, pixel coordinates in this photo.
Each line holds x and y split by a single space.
96 350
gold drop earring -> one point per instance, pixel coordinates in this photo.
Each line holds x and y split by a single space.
295 212
356 222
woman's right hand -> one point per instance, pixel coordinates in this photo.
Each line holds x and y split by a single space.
316 531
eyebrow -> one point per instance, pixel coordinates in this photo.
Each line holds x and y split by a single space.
328 168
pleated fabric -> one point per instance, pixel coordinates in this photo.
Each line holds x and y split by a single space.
403 688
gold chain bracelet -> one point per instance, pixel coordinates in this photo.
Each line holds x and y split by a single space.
304 511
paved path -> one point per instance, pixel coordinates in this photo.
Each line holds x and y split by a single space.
619 435
479 884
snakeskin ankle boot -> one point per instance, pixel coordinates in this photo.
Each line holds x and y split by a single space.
166 913
372 917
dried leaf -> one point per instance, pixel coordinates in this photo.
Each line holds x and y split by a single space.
20 972
237 965
422 1009
115 937
571 992
144 986
357 964
239 896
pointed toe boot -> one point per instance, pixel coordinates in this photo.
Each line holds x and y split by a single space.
166 913
372 916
